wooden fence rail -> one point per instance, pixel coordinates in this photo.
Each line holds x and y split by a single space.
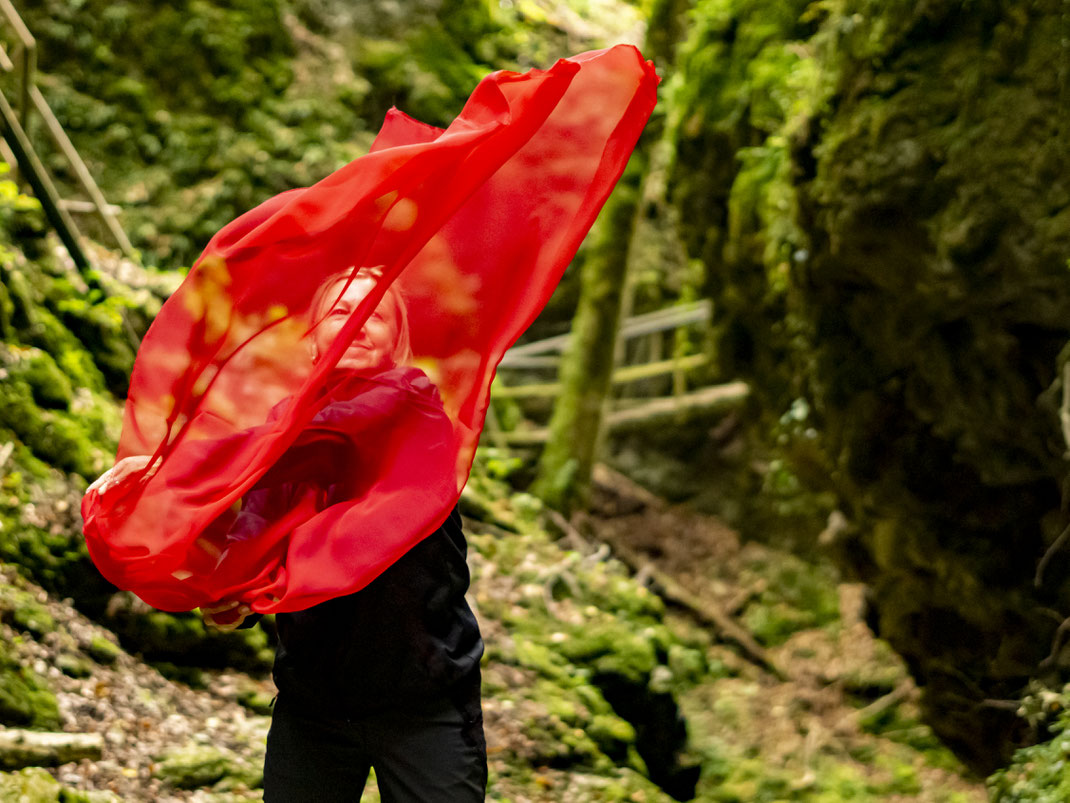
625 412
534 355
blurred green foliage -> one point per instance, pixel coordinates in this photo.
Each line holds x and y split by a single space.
1038 774
191 113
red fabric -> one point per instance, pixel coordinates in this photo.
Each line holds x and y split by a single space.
279 477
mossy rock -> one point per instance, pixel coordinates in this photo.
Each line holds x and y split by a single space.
613 735
612 648
25 697
74 666
49 386
35 785
52 436
22 610
103 651
198 766
179 643
902 310
934 328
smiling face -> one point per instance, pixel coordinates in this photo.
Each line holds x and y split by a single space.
374 348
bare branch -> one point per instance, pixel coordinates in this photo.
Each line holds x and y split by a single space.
1064 411
1058 544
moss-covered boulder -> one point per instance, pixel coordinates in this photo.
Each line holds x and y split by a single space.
24 611
37 786
103 651
604 668
197 766
25 697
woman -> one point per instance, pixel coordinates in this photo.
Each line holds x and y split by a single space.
477 223
387 677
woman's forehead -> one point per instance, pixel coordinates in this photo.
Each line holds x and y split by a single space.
331 293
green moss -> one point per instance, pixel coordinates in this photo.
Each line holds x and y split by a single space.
103 330
180 644
612 734
22 610
25 698
48 384
796 596
103 651
73 665
1037 774
200 766
31 784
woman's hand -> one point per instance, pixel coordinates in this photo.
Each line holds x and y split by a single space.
115 475
226 615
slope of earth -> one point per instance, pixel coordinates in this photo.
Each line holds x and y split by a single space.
595 689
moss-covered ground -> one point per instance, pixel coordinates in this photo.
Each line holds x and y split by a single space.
595 689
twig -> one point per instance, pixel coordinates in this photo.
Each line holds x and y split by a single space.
572 535
642 577
558 574
1064 411
739 601
1058 544
882 704
1001 705
598 556
5 452
1056 643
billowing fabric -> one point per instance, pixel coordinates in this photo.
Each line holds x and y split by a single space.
237 391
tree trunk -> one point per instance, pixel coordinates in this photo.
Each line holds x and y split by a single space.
564 473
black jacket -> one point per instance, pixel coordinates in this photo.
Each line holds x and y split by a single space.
407 637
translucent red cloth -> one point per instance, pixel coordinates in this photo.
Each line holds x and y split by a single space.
279 480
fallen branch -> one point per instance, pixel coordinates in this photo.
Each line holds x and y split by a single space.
728 628
476 506
22 748
893 698
571 534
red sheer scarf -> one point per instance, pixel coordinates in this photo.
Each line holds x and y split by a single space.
472 226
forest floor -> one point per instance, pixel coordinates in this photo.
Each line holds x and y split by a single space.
830 716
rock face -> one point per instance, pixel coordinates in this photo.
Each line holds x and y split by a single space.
936 289
910 235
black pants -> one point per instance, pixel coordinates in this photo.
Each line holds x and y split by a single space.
434 753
